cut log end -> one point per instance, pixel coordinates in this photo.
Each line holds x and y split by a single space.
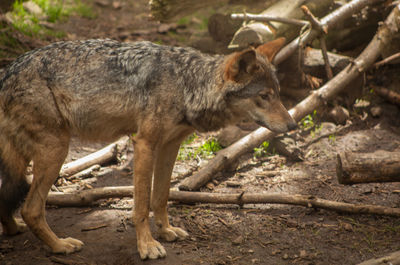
379 166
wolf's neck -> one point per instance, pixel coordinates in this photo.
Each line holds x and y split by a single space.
205 103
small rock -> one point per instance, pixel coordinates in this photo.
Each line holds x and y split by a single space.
275 251
339 115
210 186
285 256
376 112
250 251
117 4
347 227
237 241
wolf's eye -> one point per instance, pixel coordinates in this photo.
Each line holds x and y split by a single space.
265 96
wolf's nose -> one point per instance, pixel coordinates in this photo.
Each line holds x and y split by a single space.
292 125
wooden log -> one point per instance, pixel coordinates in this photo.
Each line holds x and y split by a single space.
88 197
379 166
227 157
392 258
100 157
256 33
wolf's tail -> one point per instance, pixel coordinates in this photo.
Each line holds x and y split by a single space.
14 159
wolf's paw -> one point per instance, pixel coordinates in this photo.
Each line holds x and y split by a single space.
151 250
173 233
67 245
17 227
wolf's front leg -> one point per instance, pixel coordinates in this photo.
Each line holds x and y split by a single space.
166 156
143 170
46 165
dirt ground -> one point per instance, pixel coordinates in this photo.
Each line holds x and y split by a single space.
228 234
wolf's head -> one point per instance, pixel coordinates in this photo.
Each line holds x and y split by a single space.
252 87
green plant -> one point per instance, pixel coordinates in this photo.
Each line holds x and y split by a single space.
206 150
261 150
185 152
308 121
210 147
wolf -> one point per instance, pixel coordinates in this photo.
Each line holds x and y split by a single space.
99 90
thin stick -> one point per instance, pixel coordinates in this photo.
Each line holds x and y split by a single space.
387 60
317 25
324 51
88 197
267 18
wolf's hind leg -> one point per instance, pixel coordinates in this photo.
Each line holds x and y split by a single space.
13 188
47 162
166 156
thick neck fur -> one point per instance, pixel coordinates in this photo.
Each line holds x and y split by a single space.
205 95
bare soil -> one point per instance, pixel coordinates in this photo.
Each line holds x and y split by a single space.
228 234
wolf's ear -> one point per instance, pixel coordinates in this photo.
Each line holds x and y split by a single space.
240 64
270 49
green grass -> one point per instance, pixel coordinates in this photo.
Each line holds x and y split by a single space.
206 150
83 10
53 11
262 150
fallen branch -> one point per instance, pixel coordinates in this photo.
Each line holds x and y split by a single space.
88 197
379 166
392 258
100 157
256 33
387 94
228 156
330 21
387 60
